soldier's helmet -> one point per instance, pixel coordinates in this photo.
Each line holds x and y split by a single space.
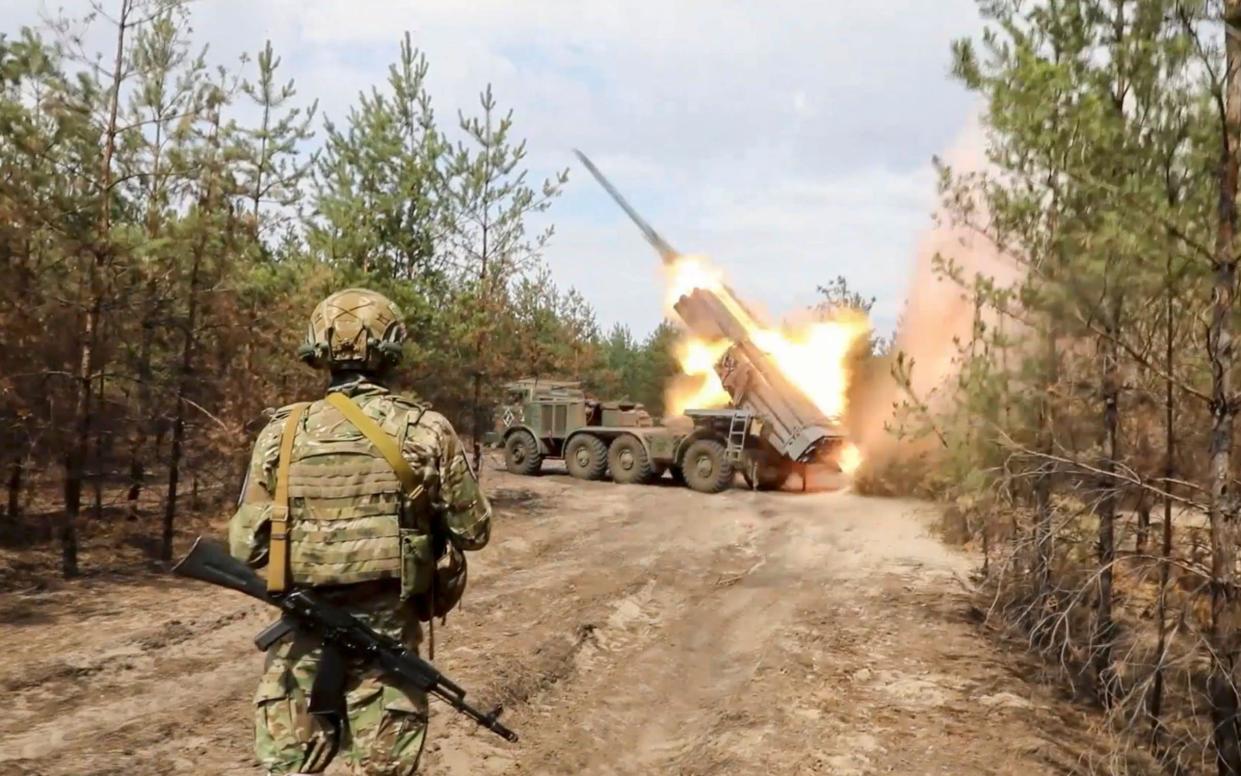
354 329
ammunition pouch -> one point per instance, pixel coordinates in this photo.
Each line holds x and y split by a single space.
451 572
417 563
249 533
447 586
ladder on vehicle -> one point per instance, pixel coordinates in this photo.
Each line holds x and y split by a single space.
738 430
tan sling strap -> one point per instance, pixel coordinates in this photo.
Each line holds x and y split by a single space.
278 553
386 445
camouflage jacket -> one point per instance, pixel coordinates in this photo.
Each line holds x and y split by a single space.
458 507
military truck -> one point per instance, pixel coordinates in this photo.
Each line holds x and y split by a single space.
771 429
704 449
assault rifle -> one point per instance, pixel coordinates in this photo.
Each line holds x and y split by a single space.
209 561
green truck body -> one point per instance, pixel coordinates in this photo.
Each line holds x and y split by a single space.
542 420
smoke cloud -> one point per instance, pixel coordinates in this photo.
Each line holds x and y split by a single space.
936 313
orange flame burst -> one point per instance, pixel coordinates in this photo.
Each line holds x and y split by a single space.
813 356
850 459
702 389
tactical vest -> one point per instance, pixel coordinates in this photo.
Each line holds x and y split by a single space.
350 520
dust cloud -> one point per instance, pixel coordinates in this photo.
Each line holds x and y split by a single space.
936 315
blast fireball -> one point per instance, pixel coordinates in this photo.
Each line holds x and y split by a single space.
812 356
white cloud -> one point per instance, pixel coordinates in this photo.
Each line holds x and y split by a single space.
790 140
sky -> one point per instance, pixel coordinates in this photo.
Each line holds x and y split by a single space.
790 142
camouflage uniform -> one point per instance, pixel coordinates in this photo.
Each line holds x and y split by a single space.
384 728
385 725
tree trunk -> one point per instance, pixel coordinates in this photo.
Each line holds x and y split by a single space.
1144 524
77 450
1223 514
1014 525
142 420
178 421
16 471
257 196
1043 533
98 467
170 504
1104 625
189 341
484 288
976 334
1165 548
475 425
150 312
137 476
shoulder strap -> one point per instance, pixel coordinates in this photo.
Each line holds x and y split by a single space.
278 548
387 447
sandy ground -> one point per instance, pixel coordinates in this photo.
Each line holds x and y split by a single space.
627 630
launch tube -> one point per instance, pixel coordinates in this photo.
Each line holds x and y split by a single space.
792 424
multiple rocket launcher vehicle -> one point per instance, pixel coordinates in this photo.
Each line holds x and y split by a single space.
771 429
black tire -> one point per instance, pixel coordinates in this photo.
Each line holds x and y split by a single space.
521 454
772 473
586 457
629 462
706 468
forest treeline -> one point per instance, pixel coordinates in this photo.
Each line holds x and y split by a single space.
168 223
1086 440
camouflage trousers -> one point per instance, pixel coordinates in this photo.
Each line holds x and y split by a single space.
385 728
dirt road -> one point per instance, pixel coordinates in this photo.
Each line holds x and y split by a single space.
627 630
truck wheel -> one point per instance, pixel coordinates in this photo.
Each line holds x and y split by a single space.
629 462
706 467
586 457
521 454
771 474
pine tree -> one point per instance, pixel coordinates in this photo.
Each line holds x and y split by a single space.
658 366
376 206
29 197
274 174
164 105
207 233
97 95
489 203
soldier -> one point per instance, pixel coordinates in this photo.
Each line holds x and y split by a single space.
367 497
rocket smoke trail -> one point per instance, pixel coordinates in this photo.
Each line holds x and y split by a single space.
666 251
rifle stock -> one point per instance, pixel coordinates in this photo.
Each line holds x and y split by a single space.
209 561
